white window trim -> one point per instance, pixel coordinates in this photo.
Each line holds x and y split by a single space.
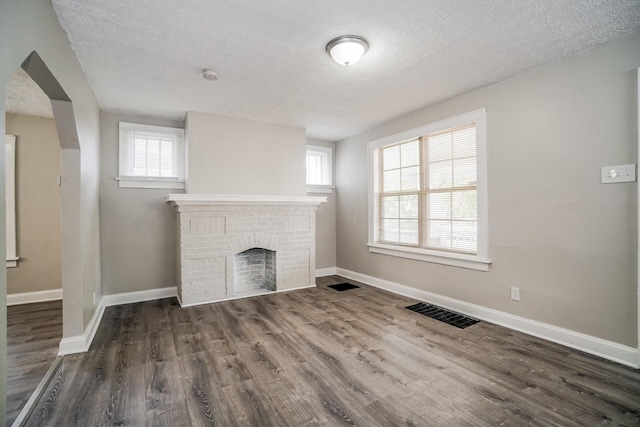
479 261
324 189
151 182
10 197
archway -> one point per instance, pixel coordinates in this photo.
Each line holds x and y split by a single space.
71 254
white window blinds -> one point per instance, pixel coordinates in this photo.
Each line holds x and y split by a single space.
450 196
151 153
319 167
428 194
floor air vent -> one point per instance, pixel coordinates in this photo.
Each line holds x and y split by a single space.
447 316
343 286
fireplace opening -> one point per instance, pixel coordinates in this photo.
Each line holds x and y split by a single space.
254 271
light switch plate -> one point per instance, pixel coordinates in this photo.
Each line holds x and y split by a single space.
620 173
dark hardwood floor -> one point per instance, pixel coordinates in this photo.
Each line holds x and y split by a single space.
321 357
34 332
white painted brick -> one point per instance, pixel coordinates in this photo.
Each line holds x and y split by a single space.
211 236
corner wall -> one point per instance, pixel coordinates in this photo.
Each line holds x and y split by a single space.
326 217
566 240
137 227
25 26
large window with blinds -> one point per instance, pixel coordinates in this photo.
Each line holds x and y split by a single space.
428 196
151 156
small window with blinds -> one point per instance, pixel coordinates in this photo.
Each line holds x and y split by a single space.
429 193
151 156
319 169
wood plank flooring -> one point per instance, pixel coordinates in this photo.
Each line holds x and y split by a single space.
321 357
34 332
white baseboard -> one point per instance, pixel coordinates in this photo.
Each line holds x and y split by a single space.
589 344
140 296
321 272
81 343
31 297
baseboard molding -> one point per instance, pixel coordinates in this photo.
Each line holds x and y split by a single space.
139 296
81 343
31 297
329 271
589 344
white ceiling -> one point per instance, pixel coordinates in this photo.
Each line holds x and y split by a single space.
25 97
147 56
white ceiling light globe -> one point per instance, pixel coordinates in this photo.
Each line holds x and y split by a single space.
347 50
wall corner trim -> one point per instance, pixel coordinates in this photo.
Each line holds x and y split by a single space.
329 271
609 350
140 296
81 343
32 297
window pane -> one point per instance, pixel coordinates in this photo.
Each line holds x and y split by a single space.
409 206
465 236
391 180
410 178
391 230
439 206
391 157
465 205
440 175
140 156
318 168
147 153
464 172
439 234
409 153
390 207
439 147
167 158
464 142
409 231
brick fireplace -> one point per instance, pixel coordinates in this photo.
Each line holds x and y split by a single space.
236 246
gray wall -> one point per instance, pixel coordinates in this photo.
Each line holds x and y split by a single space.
227 155
38 205
326 218
567 241
138 227
25 26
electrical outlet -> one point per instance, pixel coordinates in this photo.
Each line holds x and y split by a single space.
515 294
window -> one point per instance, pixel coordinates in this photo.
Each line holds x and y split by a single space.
428 193
151 156
319 169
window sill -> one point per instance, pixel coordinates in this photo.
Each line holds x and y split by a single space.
12 262
457 260
149 183
324 189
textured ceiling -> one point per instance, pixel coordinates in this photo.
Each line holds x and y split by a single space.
25 97
147 56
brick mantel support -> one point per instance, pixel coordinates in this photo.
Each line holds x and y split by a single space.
212 229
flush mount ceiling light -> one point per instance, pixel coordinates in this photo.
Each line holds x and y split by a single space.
347 50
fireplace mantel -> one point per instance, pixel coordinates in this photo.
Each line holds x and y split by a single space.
233 199
214 230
